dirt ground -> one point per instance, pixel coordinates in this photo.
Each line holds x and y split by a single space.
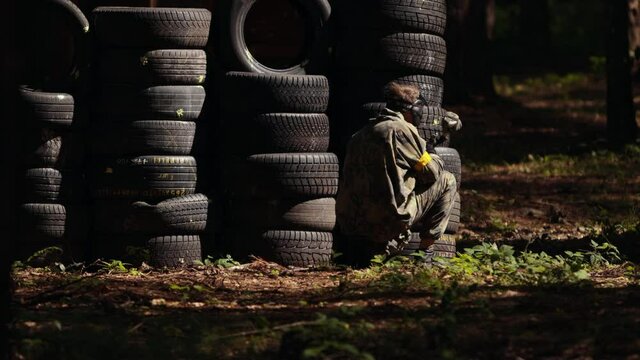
535 171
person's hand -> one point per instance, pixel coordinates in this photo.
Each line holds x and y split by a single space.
452 121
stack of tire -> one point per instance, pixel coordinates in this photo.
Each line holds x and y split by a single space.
51 182
52 185
395 40
282 184
150 70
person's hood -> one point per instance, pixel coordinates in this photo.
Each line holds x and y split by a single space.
387 114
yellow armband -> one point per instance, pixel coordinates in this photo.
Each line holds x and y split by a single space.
422 162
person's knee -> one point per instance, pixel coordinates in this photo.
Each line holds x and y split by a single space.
449 180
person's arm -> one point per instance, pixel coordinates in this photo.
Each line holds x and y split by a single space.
411 153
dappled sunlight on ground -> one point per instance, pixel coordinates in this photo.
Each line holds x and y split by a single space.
537 175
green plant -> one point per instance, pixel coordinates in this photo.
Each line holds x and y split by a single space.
499 225
223 263
117 266
501 265
326 338
46 257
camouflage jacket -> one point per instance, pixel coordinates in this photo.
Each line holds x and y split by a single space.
386 160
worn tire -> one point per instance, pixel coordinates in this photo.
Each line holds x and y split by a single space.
144 138
430 127
300 248
42 185
231 23
43 149
52 148
64 11
46 108
155 67
157 28
308 215
147 178
174 250
452 163
454 220
367 88
372 110
181 215
126 103
42 221
297 175
251 93
282 133
425 16
401 52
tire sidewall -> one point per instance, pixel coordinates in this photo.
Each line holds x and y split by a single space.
316 10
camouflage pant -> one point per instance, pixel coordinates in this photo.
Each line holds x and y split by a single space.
434 209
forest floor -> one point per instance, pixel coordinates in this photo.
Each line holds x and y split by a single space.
536 177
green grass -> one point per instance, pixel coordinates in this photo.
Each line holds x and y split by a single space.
597 163
508 86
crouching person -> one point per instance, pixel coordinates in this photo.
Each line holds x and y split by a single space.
391 183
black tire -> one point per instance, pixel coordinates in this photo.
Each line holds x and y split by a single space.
64 11
42 185
181 215
282 133
51 148
237 56
46 108
126 103
156 67
300 248
144 138
425 16
309 215
372 110
267 93
403 52
367 87
418 52
454 220
431 128
452 162
298 175
147 178
41 222
444 247
44 149
159 28
174 250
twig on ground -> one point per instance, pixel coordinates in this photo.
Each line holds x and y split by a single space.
275 328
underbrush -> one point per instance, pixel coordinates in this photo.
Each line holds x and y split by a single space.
399 307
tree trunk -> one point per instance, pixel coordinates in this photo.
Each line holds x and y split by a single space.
469 73
621 120
634 35
479 63
535 32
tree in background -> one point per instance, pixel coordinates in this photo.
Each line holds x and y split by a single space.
634 35
469 73
621 117
535 31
